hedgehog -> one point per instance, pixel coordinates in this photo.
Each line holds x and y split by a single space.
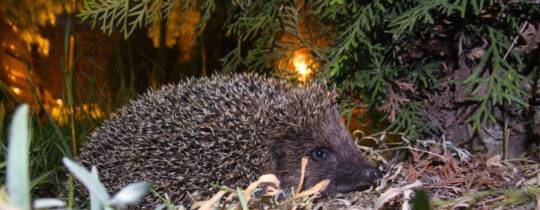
227 129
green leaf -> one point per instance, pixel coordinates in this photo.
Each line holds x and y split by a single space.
17 172
475 7
421 201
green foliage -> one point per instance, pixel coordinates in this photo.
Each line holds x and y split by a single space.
388 54
126 14
248 25
424 75
115 13
423 14
18 174
410 121
500 85
510 198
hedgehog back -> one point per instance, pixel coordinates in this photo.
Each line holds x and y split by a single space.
184 138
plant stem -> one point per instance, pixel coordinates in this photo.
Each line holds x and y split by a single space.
69 87
506 139
69 43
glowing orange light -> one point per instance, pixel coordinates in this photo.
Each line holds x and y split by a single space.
301 62
61 113
301 66
16 90
12 47
12 77
59 102
16 73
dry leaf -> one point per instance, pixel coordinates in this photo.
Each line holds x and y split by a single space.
321 186
494 161
407 196
395 191
302 173
315 189
208 204
267 178
476 53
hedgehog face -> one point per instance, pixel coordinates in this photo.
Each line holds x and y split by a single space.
346 172
332 155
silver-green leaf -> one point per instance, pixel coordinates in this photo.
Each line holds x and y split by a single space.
17 172
91 183
130 194
95 204
43 203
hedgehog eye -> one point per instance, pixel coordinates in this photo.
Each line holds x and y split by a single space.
318 154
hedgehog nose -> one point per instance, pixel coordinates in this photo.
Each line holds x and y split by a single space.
372 174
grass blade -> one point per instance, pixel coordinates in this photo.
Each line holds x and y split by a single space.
2 115
242 199
41 179
17 172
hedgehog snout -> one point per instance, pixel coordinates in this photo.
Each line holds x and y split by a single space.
355 177
372 174
353 174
